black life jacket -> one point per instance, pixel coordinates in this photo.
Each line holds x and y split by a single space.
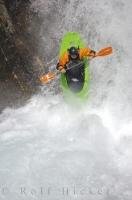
75 74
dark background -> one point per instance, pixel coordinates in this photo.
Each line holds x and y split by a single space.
20 65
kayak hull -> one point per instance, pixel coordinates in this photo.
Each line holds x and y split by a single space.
74 39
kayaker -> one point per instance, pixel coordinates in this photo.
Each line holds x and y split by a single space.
74 54
72 64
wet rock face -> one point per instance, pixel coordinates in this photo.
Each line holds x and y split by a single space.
20 64
12 5
6 29
18 50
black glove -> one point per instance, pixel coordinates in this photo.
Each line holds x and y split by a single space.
92 53
60 68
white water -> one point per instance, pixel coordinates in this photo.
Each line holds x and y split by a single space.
52 145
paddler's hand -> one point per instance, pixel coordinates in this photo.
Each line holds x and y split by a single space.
92 54
61 68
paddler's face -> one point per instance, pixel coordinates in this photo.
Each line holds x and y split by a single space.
74 56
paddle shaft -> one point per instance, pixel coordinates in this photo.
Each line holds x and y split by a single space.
51 75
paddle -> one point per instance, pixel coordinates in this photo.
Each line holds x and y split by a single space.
48 77
51 75
104 52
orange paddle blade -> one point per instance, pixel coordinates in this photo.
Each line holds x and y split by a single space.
47 77
104 52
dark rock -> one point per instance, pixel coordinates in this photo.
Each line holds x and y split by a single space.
19 60
18 43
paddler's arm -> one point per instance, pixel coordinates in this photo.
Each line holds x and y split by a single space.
61 66
87 52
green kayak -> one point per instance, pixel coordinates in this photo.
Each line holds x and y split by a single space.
75 90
